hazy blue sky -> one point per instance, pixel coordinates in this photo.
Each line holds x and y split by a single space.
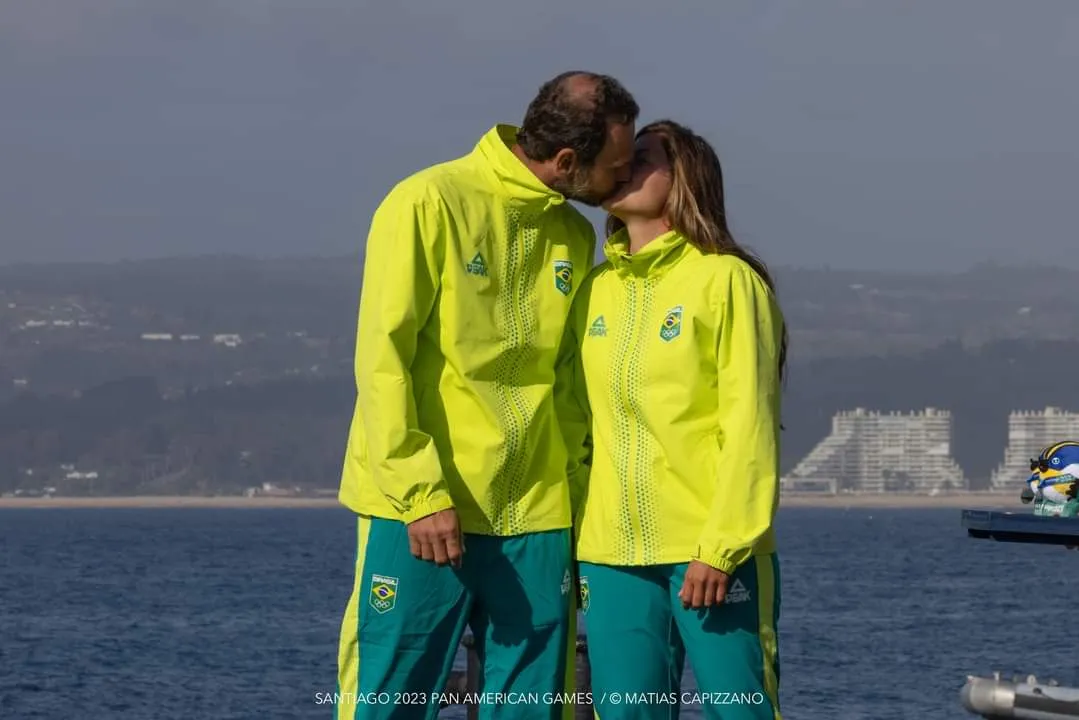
884 133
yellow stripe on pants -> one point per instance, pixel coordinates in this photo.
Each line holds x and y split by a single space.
766 630
348 649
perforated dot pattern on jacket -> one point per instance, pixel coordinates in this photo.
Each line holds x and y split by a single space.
622 451
517 305
644 479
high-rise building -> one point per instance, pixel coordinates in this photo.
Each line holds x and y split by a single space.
1030 432
882 452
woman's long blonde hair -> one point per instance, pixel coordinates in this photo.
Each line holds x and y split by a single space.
696 204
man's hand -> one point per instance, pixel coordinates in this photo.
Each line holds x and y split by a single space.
437 538
703 587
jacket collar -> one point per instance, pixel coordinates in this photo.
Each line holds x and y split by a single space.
516 180
653 259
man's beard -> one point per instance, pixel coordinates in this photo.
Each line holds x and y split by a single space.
578 189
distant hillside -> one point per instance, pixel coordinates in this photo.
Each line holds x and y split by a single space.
292 431
844 313
197 294
66 327
980 343
837 312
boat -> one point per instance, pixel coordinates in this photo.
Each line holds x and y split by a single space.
993 697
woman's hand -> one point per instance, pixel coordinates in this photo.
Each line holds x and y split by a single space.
703 587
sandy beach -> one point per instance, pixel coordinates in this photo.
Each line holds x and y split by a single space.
973 500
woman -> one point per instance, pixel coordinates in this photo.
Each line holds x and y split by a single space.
674 466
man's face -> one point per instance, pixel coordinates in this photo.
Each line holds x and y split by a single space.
613 167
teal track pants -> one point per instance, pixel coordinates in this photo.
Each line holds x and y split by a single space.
639 636
406 617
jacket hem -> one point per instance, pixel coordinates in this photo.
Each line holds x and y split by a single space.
680 557
470 524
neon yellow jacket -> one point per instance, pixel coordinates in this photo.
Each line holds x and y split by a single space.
679 356
470 272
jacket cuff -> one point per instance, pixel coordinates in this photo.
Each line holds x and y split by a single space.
720 563
437 502
724 559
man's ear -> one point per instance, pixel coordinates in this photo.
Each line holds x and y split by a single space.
565 162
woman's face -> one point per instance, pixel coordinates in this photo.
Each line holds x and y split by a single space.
645 194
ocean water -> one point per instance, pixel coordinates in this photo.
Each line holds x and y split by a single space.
234 614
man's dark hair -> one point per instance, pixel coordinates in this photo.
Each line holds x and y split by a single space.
572 111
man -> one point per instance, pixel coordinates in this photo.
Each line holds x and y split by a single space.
455 463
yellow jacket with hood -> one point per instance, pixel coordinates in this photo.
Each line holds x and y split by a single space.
674 451
470 272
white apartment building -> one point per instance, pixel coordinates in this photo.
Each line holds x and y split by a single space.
881 452
1030 432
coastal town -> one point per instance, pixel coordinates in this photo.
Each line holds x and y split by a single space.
232 377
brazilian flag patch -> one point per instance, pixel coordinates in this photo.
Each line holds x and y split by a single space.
563 276
383 593
672 324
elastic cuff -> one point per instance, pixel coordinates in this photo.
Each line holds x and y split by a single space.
437 502
720 563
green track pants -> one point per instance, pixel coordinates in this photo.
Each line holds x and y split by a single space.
639 636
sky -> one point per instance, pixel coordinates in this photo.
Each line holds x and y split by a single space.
885 134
